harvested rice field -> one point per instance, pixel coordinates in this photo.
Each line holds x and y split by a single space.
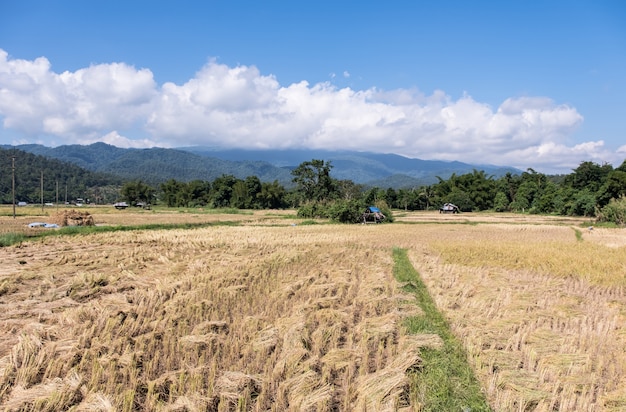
270 314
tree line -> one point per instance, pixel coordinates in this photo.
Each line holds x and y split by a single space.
584 192
224 191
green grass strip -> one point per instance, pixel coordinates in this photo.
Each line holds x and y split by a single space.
9 239
445 381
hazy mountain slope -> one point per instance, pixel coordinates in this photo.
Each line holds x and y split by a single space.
361 167
59 178
157 165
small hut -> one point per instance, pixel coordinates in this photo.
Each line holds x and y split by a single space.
372 214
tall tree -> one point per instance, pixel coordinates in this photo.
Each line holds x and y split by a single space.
272 196
137 191
239 195
198 192
170 190
613 188
253 188
313 181
589 175
222 189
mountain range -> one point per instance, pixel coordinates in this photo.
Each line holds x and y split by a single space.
157 165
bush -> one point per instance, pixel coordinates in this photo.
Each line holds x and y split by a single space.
314 210
614 212
342 211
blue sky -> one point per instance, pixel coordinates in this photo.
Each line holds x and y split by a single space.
538 84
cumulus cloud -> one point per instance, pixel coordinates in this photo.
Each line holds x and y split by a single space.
115 139
238 107
35 100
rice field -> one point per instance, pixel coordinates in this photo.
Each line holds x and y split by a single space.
273 314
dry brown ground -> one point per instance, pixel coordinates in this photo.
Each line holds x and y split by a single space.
108 215
263 317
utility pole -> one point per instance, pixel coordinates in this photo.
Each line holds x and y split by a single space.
13 185
42 191
57 195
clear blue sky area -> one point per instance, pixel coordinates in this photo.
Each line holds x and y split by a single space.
559 65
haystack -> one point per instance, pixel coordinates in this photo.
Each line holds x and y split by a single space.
73 218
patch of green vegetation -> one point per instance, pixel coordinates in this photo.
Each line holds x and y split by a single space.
211 211
287 216
579 234
445 380
8 239
309 222
606 225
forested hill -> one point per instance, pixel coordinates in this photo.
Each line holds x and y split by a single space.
62 179
370 169
157 165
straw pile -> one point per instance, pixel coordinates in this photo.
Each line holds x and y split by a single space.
73 218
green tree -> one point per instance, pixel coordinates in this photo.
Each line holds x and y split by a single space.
391 197
371 195
198 192
613 188
501 202
253 188
170 190
406 199
546 201
584 204
589 175
461 199
239 195
313 181
426 194
136 191
221 190
272 196
349 190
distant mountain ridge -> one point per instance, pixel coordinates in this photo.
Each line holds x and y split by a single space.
157 165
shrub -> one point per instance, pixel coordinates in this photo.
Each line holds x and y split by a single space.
346 211
8 239
342 211
613 212
314 210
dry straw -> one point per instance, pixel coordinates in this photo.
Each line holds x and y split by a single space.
306 317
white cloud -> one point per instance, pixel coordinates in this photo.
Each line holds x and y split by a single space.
34 100
240 107
115 139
